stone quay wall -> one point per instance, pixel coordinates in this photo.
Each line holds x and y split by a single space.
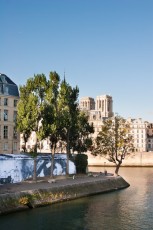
136 159
23 196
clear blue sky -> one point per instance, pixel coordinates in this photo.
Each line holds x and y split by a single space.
104 47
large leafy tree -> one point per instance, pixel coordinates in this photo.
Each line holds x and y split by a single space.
50 109
30 109
69 112
114 141
23 116
51 116
82 140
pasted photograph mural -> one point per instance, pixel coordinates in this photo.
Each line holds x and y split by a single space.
16 168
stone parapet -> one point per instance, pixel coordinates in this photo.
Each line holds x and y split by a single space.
143 159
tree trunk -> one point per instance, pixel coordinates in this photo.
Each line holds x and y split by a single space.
67 162
67 155
35 169
117 168
52 163
35 163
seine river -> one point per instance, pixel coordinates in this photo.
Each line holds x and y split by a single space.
127 209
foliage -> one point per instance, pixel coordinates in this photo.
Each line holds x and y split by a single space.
51 110
24 200
68 107
82 140
30 108
81 162
50 127
114 141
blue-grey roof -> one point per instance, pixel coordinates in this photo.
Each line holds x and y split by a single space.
7 86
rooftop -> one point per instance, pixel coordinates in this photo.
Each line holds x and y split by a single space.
7 86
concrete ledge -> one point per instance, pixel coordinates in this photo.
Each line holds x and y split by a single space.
57 192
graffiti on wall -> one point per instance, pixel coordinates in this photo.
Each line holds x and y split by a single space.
16 168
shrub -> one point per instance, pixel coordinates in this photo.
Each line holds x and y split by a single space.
81 162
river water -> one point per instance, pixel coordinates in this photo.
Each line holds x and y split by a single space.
127 209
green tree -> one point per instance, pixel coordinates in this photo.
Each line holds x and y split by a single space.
30 109
51 116
114 141
22 122
82 140
68 106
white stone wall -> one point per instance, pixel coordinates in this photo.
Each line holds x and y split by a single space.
134 159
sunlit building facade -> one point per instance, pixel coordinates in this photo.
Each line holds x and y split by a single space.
97 110
9 96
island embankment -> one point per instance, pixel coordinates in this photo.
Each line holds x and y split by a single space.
135 159
25 195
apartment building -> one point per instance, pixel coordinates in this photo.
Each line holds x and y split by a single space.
142 132
9 96
139 133
150 137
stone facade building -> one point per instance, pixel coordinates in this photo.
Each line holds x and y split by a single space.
9 96
139 133
150 137
142 131
97 110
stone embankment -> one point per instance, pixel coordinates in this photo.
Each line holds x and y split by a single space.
136 159
25 195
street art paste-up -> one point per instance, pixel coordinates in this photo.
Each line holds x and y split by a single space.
16 168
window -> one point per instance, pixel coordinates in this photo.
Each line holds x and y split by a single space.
15 103
99 104
5 101
14 116
5 146
15 146
14 133
102 105
5 131
108 106
5 115
1 88
5 89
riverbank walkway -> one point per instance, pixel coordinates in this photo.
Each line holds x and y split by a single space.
47 182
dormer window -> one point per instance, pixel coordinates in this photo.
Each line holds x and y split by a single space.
1 89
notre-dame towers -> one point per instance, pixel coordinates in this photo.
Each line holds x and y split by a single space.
103 107
97 111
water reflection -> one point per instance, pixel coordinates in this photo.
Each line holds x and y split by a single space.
126 209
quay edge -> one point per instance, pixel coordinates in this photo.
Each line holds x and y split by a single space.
13 201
